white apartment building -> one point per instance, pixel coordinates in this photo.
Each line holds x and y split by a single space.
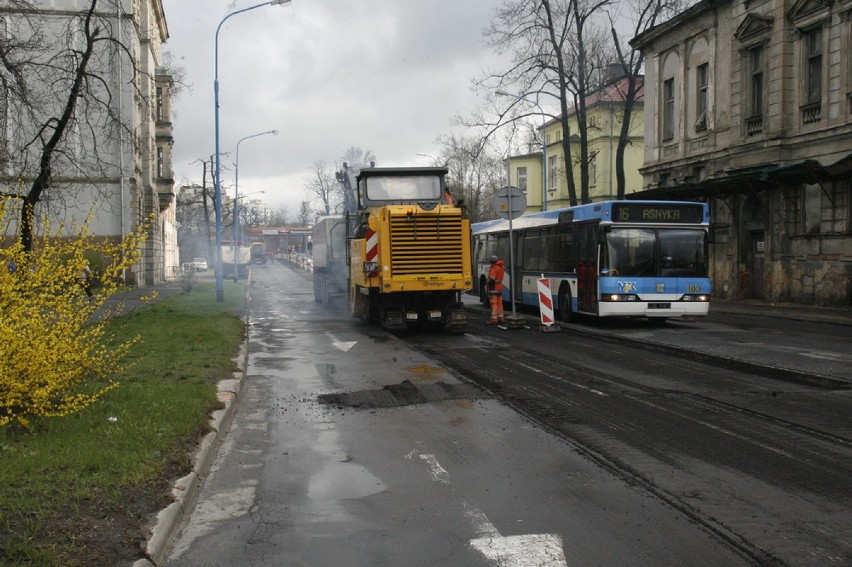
748 106
113 164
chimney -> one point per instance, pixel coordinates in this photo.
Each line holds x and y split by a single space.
614 71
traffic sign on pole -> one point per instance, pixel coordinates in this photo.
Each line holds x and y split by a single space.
510 203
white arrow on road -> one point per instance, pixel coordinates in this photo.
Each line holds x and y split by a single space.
341 345
541 550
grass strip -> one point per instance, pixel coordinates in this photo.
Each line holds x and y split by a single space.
79 490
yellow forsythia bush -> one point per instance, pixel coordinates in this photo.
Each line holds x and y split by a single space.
53 358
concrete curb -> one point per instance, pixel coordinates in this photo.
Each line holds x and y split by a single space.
185 490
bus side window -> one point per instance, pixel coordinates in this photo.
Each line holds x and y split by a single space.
500 247
567 260
532 252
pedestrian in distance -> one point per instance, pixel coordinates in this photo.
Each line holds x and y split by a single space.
86 279
494 287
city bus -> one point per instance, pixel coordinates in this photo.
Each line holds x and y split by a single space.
604 259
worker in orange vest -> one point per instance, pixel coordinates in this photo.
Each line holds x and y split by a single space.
494 287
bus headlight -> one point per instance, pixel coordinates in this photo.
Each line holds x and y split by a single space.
698 297
619 297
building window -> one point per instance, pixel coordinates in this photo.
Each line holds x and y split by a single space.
593 171
668 109
754 118
522 179
160 162
159 103
553 164
812 44
702 80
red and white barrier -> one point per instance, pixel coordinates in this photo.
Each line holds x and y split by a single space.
372 248
545 302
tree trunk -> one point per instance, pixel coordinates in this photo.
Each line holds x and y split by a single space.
59 125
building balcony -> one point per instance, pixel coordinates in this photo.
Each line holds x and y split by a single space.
754 125
811 113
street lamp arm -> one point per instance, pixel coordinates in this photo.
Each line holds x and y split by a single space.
240 11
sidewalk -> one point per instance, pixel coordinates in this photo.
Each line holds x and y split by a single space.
132 299
794 311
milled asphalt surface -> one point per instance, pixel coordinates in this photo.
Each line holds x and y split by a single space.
186 489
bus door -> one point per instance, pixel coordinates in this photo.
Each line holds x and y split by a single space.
516 269
587 267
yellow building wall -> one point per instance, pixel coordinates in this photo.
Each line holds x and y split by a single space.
604 129
532 163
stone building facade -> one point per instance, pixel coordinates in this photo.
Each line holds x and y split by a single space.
113 165
752 112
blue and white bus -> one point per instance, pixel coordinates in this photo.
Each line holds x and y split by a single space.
604 259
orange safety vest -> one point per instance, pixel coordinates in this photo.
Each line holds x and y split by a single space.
495 274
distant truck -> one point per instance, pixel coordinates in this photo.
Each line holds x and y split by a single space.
243 255
329 255
258 252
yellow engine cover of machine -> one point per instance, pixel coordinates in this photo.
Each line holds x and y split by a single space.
418 250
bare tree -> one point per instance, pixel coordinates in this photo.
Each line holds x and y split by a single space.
323 187
358 158
647 14
60 102
279 217
255 213
557 53
535 35
193 220
582 79
306 214
475 172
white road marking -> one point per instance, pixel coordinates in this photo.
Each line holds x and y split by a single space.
541 550
341 345
826 356
436 470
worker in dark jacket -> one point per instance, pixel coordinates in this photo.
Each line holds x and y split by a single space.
494 287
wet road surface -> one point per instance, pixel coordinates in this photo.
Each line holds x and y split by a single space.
351 448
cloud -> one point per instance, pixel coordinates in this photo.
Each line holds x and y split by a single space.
383 75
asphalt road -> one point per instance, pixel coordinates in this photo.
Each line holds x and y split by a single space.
598 445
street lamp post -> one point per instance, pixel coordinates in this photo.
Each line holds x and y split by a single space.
237 191
217 196
543 144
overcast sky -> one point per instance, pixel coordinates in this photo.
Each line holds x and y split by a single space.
383 75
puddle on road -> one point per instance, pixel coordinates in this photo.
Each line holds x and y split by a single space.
339 481
326 371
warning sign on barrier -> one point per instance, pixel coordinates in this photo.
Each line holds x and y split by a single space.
545 301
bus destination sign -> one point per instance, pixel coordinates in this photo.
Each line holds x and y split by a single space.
678 213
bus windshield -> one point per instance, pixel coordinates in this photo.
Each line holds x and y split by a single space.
646 252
